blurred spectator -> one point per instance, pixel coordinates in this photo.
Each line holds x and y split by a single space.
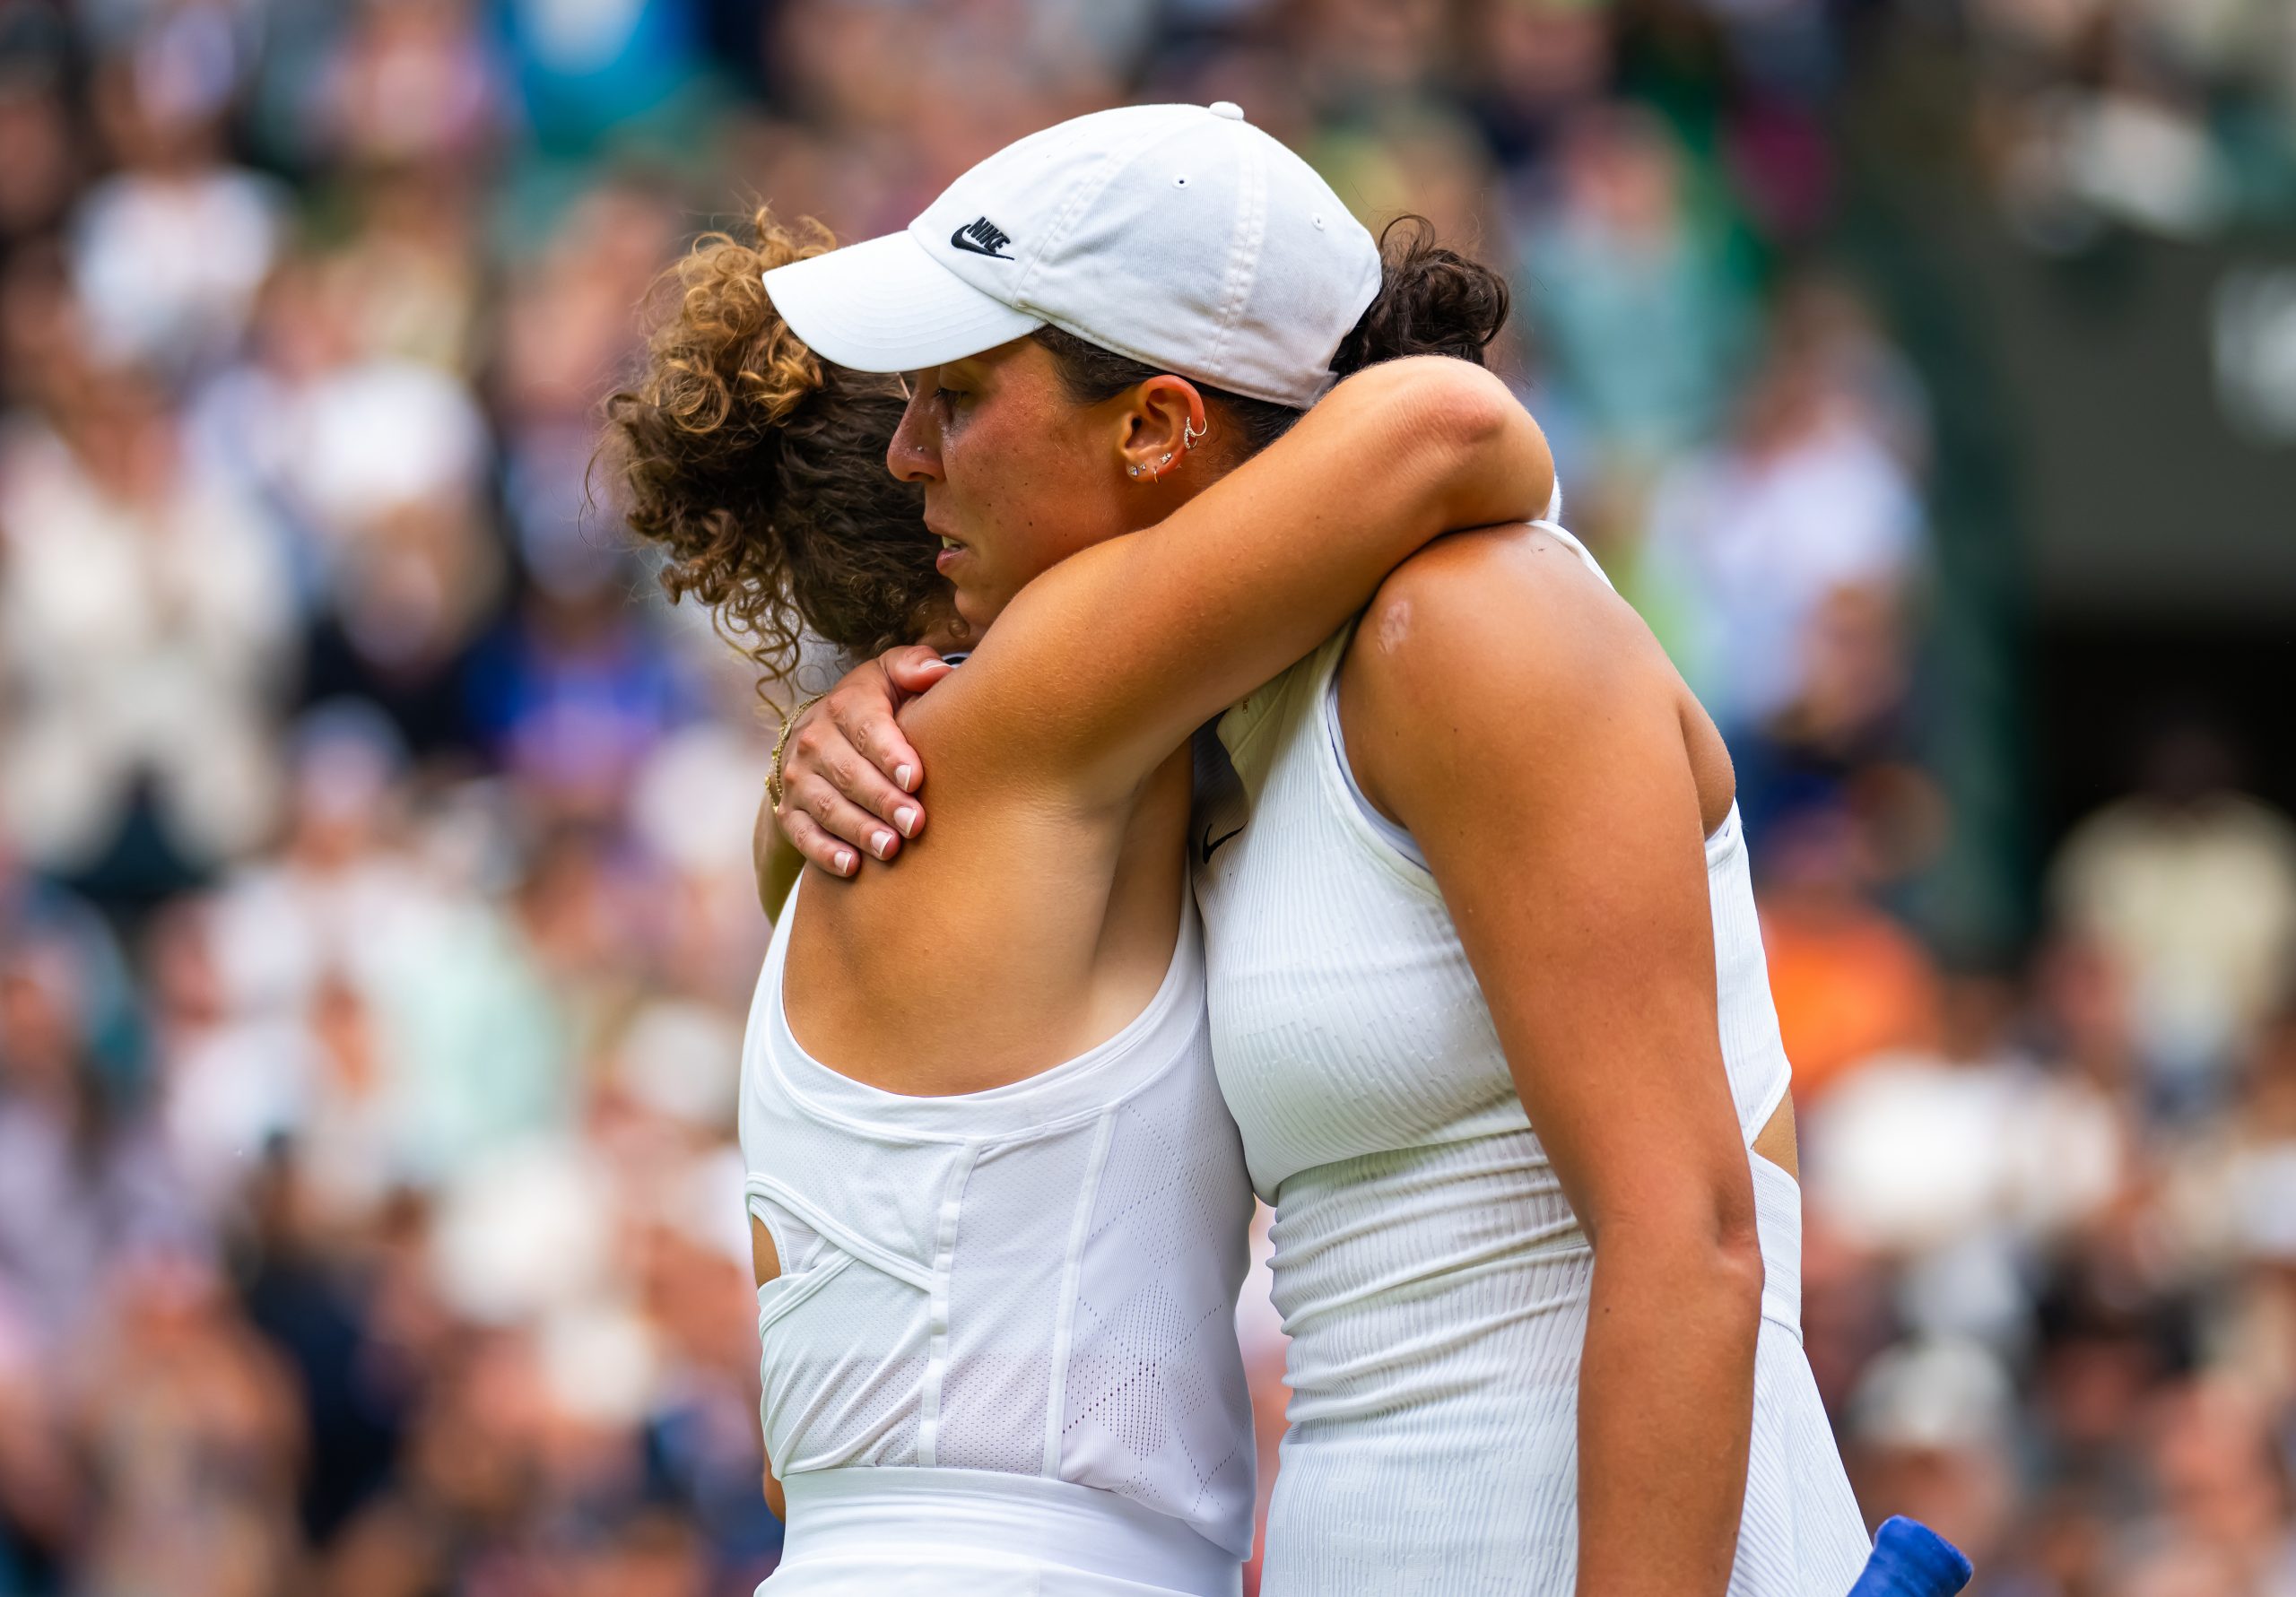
1535 63
86 1187
1782 562
1848 980
1630 290
1929 1429
160 103
1962 1163
44 163
145 627
2187 889
192 1426
407 82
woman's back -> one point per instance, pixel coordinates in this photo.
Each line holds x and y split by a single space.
1003 1325
1035 927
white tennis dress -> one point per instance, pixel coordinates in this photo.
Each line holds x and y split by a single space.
1429 1270
1000 1359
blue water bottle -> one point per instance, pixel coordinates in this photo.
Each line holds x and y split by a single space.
1911 1560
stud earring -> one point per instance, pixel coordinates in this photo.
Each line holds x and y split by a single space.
1133 470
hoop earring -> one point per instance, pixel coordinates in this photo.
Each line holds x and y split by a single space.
1190 432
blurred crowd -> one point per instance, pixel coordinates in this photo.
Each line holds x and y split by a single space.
375 926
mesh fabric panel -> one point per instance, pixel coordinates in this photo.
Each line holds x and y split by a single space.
1020 1207
1153 1409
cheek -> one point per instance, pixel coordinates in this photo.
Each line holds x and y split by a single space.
1018 488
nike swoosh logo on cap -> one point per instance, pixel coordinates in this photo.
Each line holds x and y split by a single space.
981 237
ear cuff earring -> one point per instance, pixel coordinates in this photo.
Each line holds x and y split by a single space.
1189 433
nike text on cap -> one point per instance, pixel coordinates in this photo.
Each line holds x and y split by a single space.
1178 235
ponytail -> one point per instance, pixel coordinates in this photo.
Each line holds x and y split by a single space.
1431 301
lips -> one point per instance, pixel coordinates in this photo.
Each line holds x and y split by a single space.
951 549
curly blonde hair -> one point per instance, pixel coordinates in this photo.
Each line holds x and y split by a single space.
759 469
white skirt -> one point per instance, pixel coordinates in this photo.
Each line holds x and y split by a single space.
859 1532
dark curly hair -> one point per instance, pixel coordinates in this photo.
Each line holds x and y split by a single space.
758 469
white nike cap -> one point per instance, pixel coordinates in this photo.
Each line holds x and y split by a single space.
1178 235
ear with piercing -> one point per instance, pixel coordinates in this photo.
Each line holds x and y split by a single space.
1191 435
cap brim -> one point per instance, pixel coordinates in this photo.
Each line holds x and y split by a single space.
887 306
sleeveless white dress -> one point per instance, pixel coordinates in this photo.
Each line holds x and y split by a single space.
1000 1359
1429 1270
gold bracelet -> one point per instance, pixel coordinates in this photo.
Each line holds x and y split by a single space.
774 791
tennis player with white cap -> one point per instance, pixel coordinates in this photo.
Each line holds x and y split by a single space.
1487 993
997 1205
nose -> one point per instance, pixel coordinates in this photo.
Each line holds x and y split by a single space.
913 454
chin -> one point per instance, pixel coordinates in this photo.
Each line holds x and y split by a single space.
975 611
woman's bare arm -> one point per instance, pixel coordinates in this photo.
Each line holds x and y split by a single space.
775 861
1100 666
1521 721
1149 635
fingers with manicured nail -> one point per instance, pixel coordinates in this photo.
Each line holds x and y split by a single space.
848 767
914 669
869 772
838 818
807 838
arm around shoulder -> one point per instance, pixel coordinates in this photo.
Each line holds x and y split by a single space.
1151 634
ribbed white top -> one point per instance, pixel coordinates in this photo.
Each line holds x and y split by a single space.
1427 1264
1037 1280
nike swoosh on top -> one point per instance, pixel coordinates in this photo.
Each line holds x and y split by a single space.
1210 843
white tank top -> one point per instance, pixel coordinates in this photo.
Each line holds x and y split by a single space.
1334 952
1426 1265
1005 1321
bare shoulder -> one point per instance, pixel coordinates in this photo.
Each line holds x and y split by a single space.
1495 663
1505 615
